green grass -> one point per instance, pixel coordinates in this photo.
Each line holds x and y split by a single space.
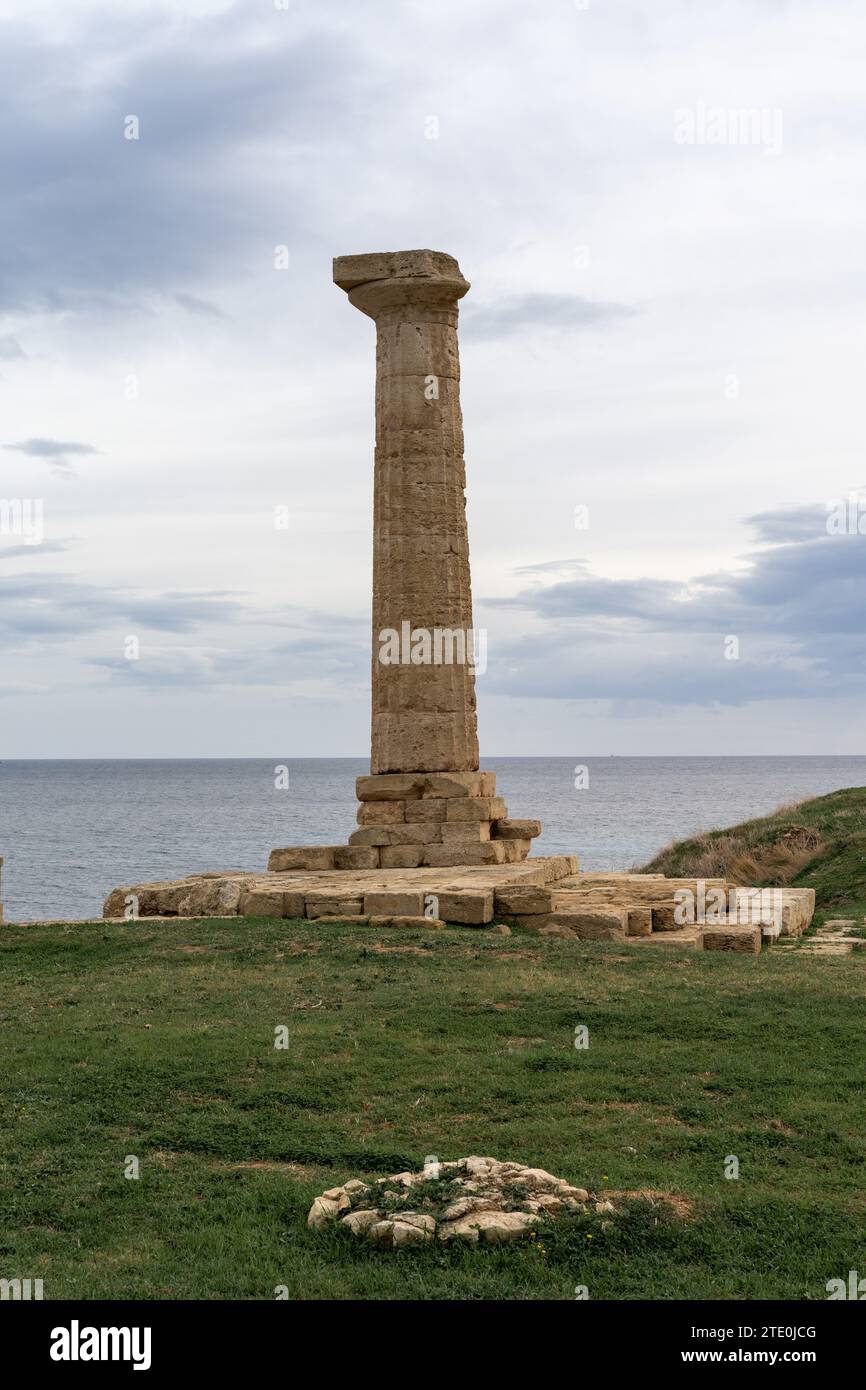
820 844
157 1041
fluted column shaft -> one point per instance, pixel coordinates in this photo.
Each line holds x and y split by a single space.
423 711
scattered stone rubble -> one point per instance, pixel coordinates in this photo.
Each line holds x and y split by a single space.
474 1200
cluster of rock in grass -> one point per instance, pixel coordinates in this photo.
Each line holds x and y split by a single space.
472 1200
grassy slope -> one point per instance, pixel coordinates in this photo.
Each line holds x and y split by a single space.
158 1042
818 844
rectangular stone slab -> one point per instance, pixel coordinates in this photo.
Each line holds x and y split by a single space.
356 856
488 852
516 829
640 921
401 856
424 833
515 899
395 902
302 857
478 808
333 904
747 939
390 786
605 924
470 909
382 812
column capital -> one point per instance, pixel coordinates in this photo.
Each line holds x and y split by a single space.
385 281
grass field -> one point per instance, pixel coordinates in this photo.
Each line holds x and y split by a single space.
157 1041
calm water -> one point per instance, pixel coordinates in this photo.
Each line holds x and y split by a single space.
70 831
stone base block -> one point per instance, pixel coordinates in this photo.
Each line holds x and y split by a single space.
469 909
442 856
640 921
475 808
729 938
401 856
790 909
664 917
390 786
465 832
333 905
395 903
448 785
281 861
382 812
409 811
603 924
265 902
516 829
431 810
411 786
421 834
357 856
515 900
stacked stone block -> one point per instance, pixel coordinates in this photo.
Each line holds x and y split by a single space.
610 907
413 820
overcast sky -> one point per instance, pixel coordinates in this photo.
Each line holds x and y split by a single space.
665 328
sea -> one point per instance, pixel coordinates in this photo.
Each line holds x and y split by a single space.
72 830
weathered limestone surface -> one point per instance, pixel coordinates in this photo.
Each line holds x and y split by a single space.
640 921
588 924
732 939
462 894
423 715
794 907
515 829
424 737
545 896
410 820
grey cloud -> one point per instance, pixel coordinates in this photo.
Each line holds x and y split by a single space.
92 220
14 552
791 523
311 663
10 348
58 606
55 451
797 608
50 448
528 312
202 308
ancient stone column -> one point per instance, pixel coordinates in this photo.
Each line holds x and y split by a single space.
423 716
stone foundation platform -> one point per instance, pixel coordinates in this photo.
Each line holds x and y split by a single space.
465 895
545 895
